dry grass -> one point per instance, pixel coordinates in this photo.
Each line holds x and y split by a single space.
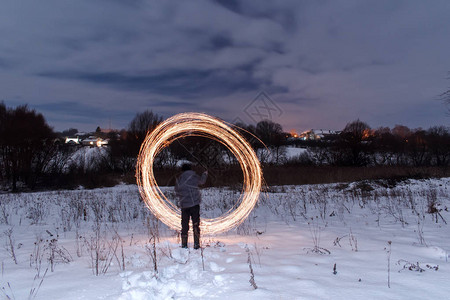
231 176
297 175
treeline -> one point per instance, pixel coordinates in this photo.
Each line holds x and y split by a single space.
33 156
359 145
357 152
26 146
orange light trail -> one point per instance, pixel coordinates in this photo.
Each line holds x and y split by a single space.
197 124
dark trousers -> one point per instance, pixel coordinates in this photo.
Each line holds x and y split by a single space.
193 213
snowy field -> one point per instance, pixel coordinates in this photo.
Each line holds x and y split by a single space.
364 240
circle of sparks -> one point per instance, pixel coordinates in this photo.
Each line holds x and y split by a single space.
197 124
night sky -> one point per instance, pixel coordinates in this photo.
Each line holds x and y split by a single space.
303 64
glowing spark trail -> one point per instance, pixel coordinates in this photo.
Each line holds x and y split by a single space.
197 124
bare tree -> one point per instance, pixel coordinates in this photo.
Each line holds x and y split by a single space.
417 148
438 138
2 133
124 149
142 123
446 97
272 135
356 130
269 132
354 142
26 144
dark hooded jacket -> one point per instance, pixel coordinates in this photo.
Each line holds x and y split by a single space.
187 190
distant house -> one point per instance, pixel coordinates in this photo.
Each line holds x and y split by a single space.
318 134
93 141
72 140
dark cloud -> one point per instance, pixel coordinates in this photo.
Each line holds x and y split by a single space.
183 83
5 64
233 5
281 13
221 41
74 109
324 63
78 114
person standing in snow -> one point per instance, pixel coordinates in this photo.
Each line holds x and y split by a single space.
189 199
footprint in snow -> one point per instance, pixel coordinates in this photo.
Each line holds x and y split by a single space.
180 255
219 280
215 267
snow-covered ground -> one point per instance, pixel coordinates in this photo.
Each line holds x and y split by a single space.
338 241
293 152
89 158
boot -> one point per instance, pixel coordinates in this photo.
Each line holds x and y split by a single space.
196 240
184 241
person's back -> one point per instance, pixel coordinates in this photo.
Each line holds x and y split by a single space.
189 199
187 188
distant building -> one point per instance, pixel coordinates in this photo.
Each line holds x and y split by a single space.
94 141
72 140
81 135
318 134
